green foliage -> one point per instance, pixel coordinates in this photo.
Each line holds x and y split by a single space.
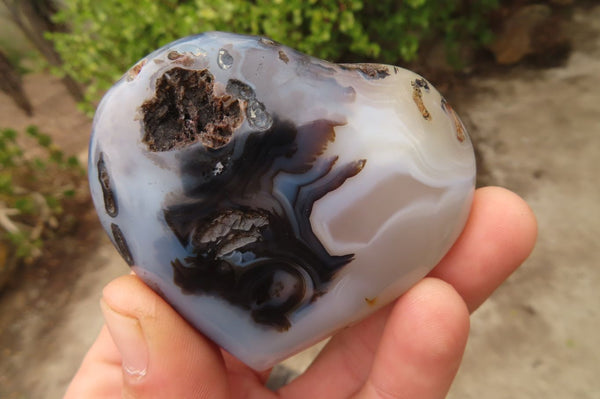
111 35
15 46
24 245
35 189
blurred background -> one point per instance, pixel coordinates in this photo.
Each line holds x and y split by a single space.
523 75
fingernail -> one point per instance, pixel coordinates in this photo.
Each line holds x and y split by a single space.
129 338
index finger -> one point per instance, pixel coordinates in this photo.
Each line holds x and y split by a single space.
495 241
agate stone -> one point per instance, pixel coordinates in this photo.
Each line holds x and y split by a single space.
273 198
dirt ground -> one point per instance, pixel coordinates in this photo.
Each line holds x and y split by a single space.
538 133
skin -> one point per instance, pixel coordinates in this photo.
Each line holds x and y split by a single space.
411 348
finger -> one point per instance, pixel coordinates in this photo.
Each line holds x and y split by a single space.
421 346
343 364
498 217
498 237
99 375
162 355
245 382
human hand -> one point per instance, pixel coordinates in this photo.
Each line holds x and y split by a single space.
409 349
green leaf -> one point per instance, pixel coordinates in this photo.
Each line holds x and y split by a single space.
32 130
72 162
56 156
53 203
25 205
39 164
6 185
9 134
44 140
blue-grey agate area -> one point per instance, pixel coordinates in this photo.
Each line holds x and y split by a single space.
273 198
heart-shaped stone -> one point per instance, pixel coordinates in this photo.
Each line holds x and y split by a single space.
273 198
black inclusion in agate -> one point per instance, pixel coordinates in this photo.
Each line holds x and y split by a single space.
250 245
110 202
121 244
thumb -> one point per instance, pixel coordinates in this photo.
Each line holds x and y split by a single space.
162 356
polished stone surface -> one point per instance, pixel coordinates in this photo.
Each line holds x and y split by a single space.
271 197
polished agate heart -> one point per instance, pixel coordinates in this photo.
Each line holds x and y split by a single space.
272 198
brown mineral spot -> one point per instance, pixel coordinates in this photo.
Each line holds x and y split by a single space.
371 301
460 131
283 56
267 42
184 59
369 71
417 96
458 125
422 84
186 110
173 55
135 70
